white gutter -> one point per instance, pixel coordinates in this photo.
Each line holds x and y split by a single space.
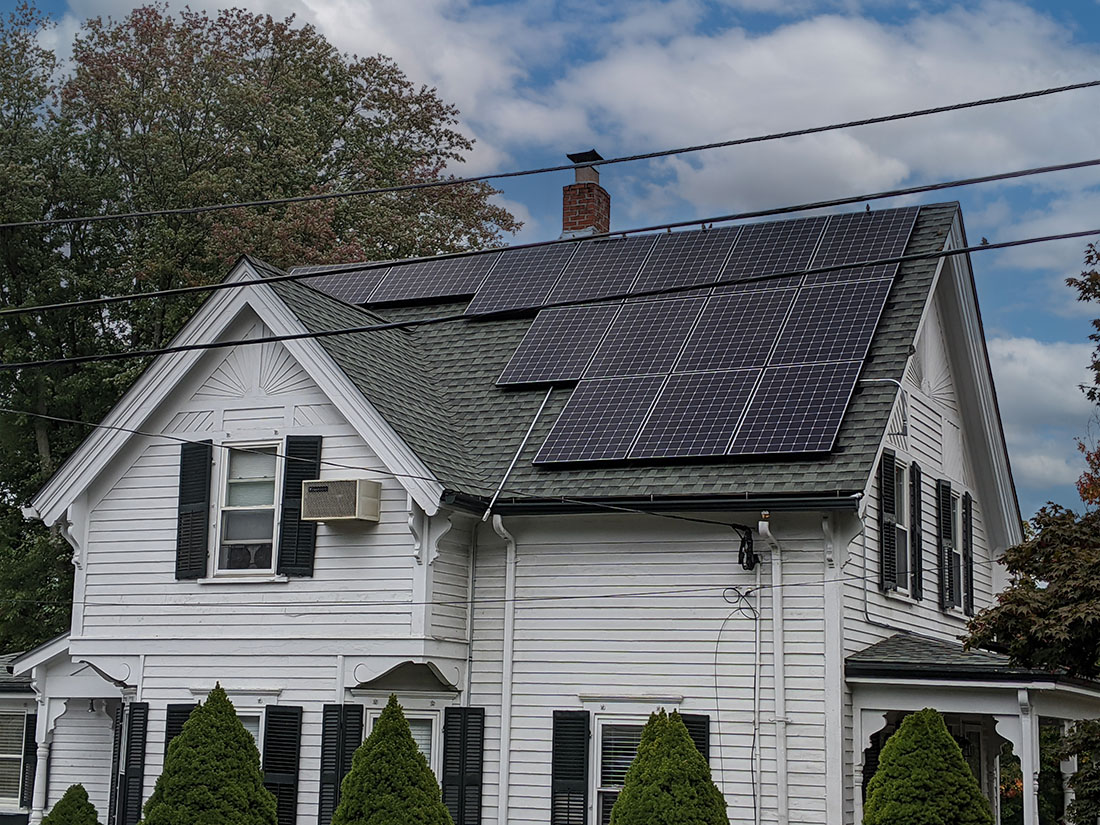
779 683
504 777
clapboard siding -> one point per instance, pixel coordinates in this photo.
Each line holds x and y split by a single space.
81 753
450 582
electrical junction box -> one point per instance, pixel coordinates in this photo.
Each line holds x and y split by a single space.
352 499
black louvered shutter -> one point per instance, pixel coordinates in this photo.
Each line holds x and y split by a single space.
30 760
968 553
341 735
887 522
698 725
133 781
944 543
116 758
193 518
569 768
463 756
297 537
174 718
282 740
916 533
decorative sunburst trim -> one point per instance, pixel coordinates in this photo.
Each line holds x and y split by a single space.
199 421
279 373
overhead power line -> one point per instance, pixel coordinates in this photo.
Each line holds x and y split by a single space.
441 319
409 187
736 216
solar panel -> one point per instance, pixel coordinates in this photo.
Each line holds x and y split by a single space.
769 248
522 278
446 278
645 338
558 345
686 259
834 322
695 415
863 236
601 419
736 330
796 409
603 267
353 286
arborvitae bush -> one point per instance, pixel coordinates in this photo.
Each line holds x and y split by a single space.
922 779
211 773
390 782
73 809
668 782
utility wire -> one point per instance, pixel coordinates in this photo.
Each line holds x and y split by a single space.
736 216
440 319
196 210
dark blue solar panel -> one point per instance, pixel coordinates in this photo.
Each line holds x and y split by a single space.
695 415
645 338
521 279
736 330
601 420
686 259
559 345
601 268
348 284
443 278
863 236
796 409
773 247
834 322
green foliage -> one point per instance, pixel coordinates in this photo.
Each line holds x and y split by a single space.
1083 741
72 809
668 782
211 773
1051 795
390 782
922 779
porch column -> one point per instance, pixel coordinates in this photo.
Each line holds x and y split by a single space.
41 776
1069 767
1029 757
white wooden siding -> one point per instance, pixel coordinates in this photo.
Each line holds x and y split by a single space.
450 582
81 753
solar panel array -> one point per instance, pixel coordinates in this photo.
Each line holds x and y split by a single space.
446 278
522 278
645 338
601 268
559 344
686 259
347 284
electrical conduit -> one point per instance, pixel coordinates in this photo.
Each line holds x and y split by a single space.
779 682
504 776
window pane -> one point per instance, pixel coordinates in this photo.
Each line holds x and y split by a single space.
956 574
607 802
254 463
9 778
900 493
249 493
901 548
618 746
11 734
422 735
252 725
247 525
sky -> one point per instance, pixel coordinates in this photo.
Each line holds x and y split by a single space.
535 79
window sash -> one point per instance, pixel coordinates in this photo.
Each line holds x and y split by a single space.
246 531
618 745
254 724
423 728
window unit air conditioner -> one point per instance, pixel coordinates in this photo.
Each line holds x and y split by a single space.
352 499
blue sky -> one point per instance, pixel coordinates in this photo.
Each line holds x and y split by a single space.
537 79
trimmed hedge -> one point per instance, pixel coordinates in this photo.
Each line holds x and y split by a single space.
73 809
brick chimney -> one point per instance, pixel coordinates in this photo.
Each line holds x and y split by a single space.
585 205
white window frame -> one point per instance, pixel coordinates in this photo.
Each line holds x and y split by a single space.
601 721
11 803
956 551
901 526
259 715
220 508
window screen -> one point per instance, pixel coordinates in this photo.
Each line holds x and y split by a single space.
618 747
11 754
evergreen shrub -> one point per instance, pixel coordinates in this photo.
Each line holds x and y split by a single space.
922 779
72 809
668 783
211 773
390 782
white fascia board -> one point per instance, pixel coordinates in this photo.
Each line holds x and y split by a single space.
40 655
155 384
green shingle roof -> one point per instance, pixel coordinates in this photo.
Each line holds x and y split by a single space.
436 386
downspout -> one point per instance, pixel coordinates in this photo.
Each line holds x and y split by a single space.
504 778
758 756
779 680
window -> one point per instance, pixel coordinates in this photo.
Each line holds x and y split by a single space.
11 756
901 520
253 724
956 553
618 745
423 728
248 514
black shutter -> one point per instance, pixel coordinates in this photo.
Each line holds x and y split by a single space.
945 543
282 740
463 750
193 518
173 722
297 537
133 781
698 725
887 522
968 554
341 735
116 758
916 533
569 768
30 760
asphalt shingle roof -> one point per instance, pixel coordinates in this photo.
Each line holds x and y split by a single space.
9 683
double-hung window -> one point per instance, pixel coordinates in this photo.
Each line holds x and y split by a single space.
423 727
246 534
617 746
253 723
901 521
955 559
11 757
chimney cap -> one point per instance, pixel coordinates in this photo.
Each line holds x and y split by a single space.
585 157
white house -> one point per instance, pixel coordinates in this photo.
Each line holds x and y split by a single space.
769 502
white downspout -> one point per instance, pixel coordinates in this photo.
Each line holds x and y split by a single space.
779 681
504 778
757 653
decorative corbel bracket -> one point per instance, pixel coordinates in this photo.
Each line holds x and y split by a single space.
446 524
418 526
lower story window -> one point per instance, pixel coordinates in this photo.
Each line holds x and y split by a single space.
11 756
253 724
423 734
618 745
